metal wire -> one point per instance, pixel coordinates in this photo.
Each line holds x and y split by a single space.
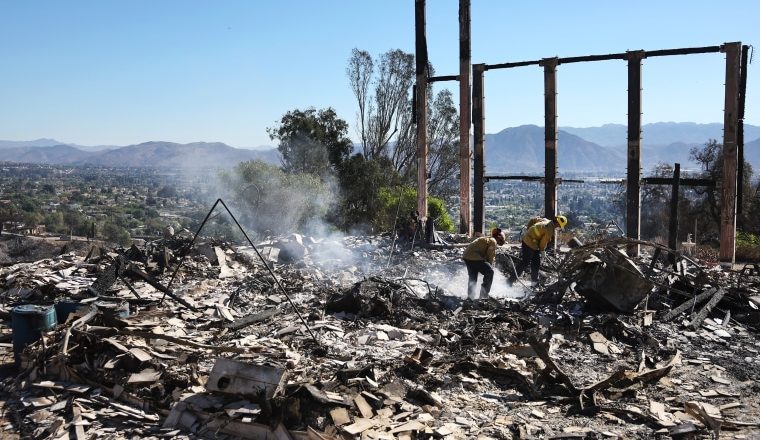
271 272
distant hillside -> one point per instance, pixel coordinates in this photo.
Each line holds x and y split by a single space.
168 154
512 150
58 154
752 155
521 149
148 154
659 133
44 142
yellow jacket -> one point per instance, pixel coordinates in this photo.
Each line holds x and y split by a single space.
481 249
538 236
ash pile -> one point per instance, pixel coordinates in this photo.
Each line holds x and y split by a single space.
366 337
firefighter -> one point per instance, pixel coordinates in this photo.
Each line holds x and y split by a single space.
479 257
539 234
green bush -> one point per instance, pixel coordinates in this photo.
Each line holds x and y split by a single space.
360 183
116 234
272 201
389 206
747 246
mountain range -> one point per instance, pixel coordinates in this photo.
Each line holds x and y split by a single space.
147 154
604 149
512 150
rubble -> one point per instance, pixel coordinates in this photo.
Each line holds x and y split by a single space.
342 344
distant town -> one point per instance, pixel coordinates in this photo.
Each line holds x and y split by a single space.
120 205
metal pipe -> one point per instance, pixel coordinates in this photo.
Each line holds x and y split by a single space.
271 272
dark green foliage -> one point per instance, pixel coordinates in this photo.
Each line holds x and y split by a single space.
115 233
747 247
272 201
360 181
710 157
167 191
311 141
390 197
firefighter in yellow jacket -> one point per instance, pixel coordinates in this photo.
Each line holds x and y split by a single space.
479 257
534 242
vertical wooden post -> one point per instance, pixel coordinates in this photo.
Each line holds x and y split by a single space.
727 253
550 136
465 118
633 183
673 229
478 127
421 110
740 136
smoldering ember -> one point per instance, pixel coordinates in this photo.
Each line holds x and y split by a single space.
372 337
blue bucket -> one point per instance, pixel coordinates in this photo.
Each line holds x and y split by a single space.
64 308
27 323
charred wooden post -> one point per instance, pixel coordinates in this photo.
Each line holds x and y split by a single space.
550 136
674 199
633 190
727 252
465 118
740 134
478 127
633 184
421 106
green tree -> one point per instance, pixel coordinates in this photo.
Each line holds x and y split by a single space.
361 180
655 206
710 158
167 192
384 119
384 111
311 141
273 201
443 132
115 233
398 203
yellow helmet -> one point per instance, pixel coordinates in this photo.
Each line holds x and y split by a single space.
561 221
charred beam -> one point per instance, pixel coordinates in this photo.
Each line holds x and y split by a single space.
421 57
611 56
511 65
727 252
478 125
682 181
559 180
633 187
465 117
674 198
550 136
740 132
433 79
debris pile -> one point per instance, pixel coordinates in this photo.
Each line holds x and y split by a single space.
196 339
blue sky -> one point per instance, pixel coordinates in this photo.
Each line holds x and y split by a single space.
124 72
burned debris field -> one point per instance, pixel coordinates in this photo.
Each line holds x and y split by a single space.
285 221
353 339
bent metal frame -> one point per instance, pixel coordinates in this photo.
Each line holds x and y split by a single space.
733 129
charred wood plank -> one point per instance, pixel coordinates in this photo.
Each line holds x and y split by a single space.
251 319
696 319
542 353
136 271
699 299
